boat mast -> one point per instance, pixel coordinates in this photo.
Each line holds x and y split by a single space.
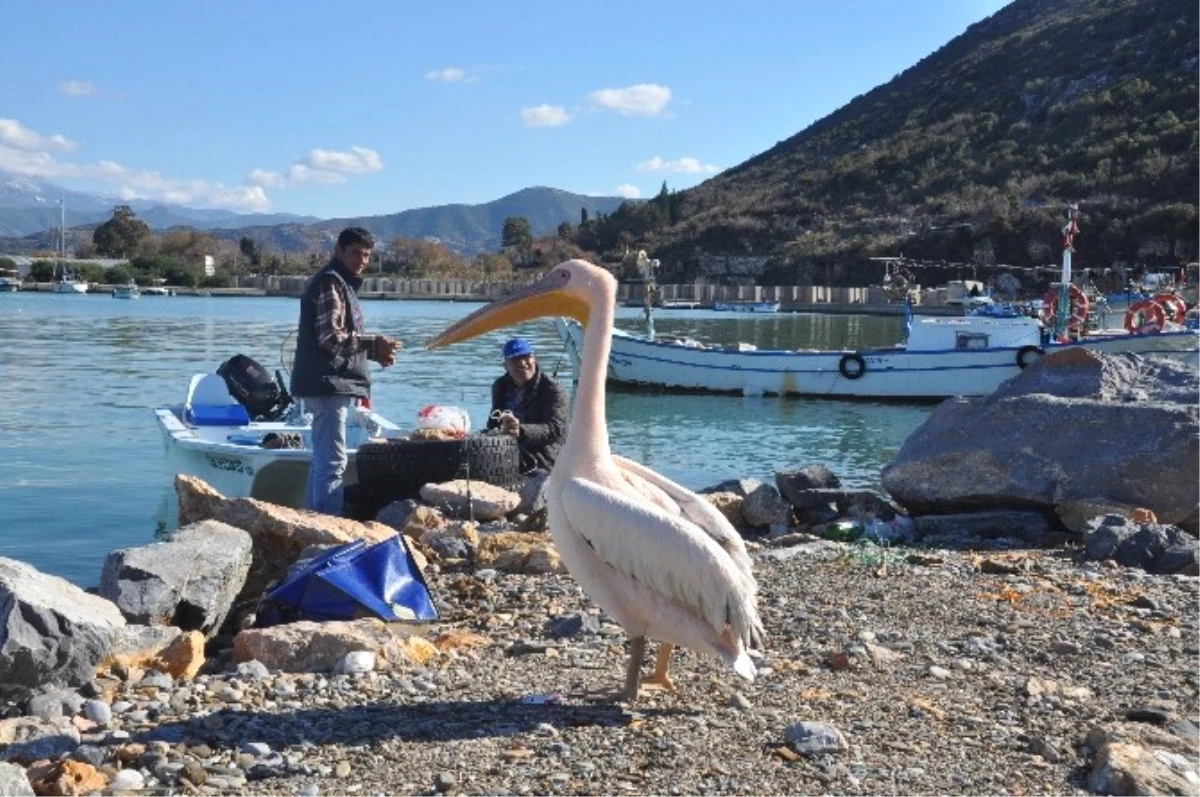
62 234
1064 289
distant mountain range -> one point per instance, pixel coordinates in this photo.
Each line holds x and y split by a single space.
466 229
30 217
30 205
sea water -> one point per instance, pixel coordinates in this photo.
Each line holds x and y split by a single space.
82 466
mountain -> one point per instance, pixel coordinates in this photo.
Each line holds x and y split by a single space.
466 229
29 210
972 154
30 205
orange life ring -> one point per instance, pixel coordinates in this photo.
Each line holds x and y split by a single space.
1175 306
1145 317
1079 307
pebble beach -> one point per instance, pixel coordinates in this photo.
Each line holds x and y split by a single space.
887 671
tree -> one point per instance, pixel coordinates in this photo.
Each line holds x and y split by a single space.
517 232
249 248
121 235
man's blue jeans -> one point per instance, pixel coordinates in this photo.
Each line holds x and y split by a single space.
329 414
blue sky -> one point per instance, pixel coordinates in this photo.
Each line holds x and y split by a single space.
364 108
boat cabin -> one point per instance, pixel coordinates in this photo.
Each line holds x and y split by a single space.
941 333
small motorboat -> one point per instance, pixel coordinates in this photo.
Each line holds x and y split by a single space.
129 290
264 454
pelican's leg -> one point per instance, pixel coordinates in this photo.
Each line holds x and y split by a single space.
633 671
659 678
633 677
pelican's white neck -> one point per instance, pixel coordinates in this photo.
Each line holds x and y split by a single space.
589 426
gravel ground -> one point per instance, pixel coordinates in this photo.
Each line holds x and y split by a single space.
917 672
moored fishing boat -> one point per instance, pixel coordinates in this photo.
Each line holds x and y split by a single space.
129 290
266 456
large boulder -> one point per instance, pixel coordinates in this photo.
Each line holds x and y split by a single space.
1077 425
279 533
51 631
189 581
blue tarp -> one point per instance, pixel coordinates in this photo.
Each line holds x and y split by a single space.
351 581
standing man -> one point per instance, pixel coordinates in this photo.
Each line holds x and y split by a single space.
529 405
330 373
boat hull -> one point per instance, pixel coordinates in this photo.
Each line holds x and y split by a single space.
232 460
890 373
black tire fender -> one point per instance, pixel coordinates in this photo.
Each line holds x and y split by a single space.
1028 355
402 467
852 366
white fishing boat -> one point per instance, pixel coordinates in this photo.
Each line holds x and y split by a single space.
213 437
943 356
129 290
10 282
68 284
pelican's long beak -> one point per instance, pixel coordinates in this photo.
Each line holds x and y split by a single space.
546 297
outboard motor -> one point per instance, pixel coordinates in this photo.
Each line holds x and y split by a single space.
262 394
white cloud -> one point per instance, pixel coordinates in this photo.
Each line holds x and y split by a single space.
644 99
545 116
451 74
14 134
77 88
322 166
628 191
685 165
27 152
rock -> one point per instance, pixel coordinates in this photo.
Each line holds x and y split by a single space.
1163 550
765 507
1076 425
13 781
411 518
815 738
740 487
573 624
519 552
956 529
459 539
729 505
66 778
1077 515
470 500
165 648
29 739
279 533
318 647
1141 759
188 581
51 632
792 484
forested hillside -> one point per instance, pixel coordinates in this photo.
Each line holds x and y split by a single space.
971 155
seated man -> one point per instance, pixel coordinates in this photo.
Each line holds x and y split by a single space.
530 405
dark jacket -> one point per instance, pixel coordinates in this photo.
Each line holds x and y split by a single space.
315 371
541 407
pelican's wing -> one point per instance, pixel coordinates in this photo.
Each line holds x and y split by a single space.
668 554
696 509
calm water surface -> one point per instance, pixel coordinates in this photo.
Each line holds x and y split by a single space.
82 470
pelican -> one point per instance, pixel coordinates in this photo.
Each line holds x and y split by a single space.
659 559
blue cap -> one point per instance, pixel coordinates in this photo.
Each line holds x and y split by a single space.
517 347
